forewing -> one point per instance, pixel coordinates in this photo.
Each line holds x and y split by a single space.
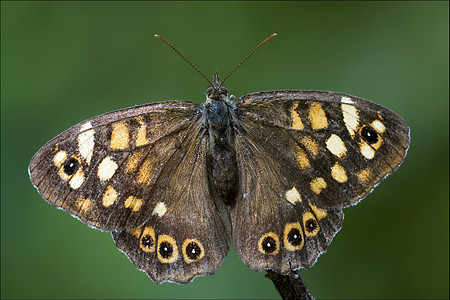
107 170
302 157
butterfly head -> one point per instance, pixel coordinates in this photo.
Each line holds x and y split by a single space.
216 92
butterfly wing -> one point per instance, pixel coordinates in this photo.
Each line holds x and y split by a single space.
136 169
189 236
302 157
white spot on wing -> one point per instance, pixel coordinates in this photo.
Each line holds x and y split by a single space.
160 209
351 118
366 150
86 142
336 145
107 168
59 158
293 196
86 126
378 126
347 100
77 180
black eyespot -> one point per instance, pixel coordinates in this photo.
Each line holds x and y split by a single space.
147 241
294 237
311 225
369 135
165 250
71 166
193 250
269 245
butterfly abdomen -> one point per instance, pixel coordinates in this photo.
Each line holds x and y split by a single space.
223 174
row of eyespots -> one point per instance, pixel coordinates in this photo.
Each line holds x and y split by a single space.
293 236
167 249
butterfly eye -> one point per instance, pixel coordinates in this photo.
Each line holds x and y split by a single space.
71 166
269 244
167 249
310 224
293 236
369 135
192 250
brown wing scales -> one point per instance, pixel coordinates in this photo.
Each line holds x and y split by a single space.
302 157
188 232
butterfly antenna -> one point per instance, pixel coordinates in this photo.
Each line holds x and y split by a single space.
260 44
173 47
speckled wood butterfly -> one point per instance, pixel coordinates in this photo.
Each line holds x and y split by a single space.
176 182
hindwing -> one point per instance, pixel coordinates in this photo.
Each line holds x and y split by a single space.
188 233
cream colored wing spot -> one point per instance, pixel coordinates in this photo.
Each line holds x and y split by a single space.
167 249
296 120
141 138
133 161
59 158
347 100
364 176
86 126
320 213
293 237
310 224
106 168
193 250
317 116
310 145
293 196
144 172
109 196
351 118
338 173
366 150
147 241
302 159
318 184
269 243
159 210
84 205
120 137
77 179
133 203
336 146
86 142
378 126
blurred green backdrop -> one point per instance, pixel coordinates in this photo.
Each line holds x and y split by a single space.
63 62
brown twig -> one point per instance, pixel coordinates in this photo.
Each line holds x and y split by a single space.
290 286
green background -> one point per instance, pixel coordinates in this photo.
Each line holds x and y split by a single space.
63 62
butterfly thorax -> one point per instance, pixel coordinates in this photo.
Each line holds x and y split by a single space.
223 174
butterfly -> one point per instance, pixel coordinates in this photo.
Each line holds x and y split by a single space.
177 182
